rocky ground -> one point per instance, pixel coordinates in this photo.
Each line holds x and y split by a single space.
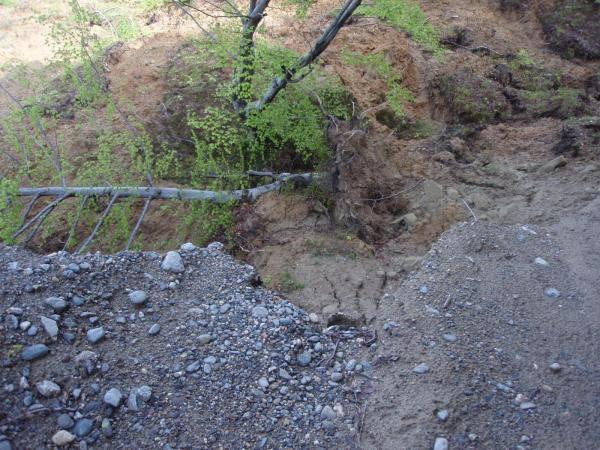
139 351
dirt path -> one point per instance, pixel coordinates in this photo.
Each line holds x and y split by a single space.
490 350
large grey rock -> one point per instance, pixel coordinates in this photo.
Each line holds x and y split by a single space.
34 352
58 304
49 326
173 263
48 388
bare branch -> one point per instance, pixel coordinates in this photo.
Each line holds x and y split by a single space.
99 223
308 58
28 209
49 207
176 193
138 224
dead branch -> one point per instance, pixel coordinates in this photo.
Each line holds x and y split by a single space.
42 213
174 193
308 58
138 224
99 223
28 209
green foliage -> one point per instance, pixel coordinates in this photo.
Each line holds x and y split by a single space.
206 221
530 75
9 211
8 2
289 283
408 16
397 95
302 6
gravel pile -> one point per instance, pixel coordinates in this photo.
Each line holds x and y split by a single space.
137 350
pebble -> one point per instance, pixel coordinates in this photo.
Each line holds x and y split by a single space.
107 428
263 382
62 438
173 263
304 359
32 331
204 339
154 329
527 405
541 262
442 415
11 321
555 367
34 352
440 444
284 374
49 326
328 413
552 293
58 304
95 334
83 427
64 422
138 297
113 397
337 377
188 247
260 312
24 325
421 368
48 388
449 337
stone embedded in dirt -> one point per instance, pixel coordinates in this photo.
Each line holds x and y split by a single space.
448 337
154 329
541 262
49 326
260 312
554 164
83 427
421 368
442 415
328 413
87 359
5 445
263 382
204 339
173 262
433 191
440 444
113 397
552 293
34 352
304 359
336 377
58 304
527 405
11 322
188 247
95 334
48 388
215 246
62 437
64 422
555 367
143 393
138 297
106 427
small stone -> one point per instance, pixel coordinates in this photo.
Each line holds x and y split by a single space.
138 297
224 308
62 438
440 444
260 312
284 374
83 427
32 331
421 368
48 388
314 318
154 329
188 247
328 413
49 326
449 337
145 392
215 246
541 262
304 359
113 397
24 325
58 304
337 377
527 405
95 334
107 427
263 382
34 352
555 367
442 415
204 339
193 367
423 289
64 422
173 263
11 321
552 293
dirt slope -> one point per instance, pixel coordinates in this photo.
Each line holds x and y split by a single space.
480 283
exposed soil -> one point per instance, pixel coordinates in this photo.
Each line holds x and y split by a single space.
492 136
